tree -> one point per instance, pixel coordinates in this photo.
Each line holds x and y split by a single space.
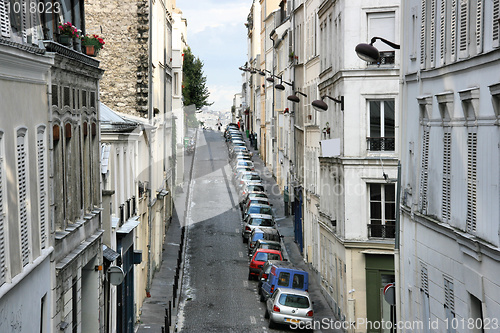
194 89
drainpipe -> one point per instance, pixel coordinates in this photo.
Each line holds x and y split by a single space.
150 149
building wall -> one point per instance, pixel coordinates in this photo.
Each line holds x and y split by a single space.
449 223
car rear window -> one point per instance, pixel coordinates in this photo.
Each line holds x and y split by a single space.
264 256
261 222
295 301
256 188
298 281
284 279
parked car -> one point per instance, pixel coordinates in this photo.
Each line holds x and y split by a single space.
268 234
284 275
246 163
248 178
258 260
256 221
266 244
247 188
257 206
291 307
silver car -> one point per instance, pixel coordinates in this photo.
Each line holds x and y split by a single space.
291 307
256 221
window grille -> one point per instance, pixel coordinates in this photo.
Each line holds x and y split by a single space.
471 181
446 205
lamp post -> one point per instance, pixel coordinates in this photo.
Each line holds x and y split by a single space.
320 105
369 53
294 98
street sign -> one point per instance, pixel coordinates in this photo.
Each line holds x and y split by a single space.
390 294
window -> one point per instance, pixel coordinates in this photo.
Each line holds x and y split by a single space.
42 184
382 210
22 185
424 172
471 181
424 292
284 279
4 19
446 204
382 130
449 303
2 217
383 25
496 22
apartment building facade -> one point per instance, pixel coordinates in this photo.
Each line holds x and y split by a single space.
450 155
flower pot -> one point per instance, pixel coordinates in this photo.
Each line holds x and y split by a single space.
66 40
90 50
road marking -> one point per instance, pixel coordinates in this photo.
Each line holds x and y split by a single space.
252 320
245 283
240 254
237 230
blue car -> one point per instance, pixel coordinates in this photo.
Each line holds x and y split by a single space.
283 274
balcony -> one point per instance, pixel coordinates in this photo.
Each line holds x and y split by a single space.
386 58
381 231
380 144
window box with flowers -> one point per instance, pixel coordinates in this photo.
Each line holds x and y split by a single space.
92 44
67 32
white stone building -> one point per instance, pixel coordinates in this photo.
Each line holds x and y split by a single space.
352 213
450 248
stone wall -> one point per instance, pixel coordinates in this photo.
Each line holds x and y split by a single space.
124 25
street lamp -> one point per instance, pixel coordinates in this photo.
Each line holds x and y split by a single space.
281 87
320 105
294 98
369 53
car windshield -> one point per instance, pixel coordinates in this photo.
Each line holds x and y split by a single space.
256 188
295 301
264 256
261 222
266 210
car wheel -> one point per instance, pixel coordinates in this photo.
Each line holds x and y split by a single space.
272 324
266 315
250 277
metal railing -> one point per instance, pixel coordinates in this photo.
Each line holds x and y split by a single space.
381 144
381 231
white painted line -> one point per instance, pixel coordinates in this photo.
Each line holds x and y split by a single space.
252 320
245 283
237 230
240 254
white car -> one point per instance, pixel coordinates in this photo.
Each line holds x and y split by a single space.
291 307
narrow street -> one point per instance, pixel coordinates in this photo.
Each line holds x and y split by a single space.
216 294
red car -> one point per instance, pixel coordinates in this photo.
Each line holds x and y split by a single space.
259 258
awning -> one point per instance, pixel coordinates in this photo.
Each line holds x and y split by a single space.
109 254
130 225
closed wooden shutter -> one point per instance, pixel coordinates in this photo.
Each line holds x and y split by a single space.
496 22
442 31
34 22
464 6
449 295
424 279
453 32
446 204
4 20
432 41
422 33
42 165
424 175
479 26
23 196
25 20
471 181
2 219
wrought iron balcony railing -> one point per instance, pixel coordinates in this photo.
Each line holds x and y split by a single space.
381 144
381 231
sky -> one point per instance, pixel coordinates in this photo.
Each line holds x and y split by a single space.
217 35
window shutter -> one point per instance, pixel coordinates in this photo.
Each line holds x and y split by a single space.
424 176
471 181
463 26
25 20
496 23
432 41
454 27
34 23
42 187
2 221
424 280
442 31
479 26
23 196
446 205
449 295
422 35
4 20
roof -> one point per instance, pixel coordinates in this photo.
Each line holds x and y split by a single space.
293 291
112 122
261 216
